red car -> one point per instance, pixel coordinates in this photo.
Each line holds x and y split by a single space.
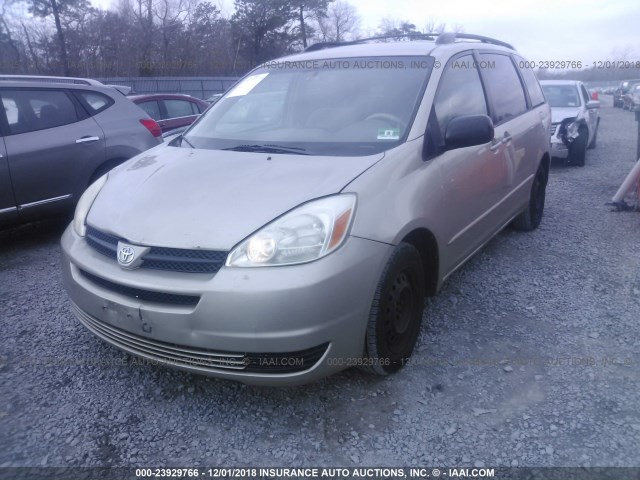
170 110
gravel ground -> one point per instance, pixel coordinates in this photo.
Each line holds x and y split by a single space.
529 356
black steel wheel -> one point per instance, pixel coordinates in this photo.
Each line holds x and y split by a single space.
396 312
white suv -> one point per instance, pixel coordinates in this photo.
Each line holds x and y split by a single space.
575 119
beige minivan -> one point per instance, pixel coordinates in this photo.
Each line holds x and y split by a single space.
295 228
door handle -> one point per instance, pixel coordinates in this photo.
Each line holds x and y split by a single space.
495 145
507 138
87 139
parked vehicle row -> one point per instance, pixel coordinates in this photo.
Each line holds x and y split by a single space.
295 229
624 94
631 99
57 136
575 119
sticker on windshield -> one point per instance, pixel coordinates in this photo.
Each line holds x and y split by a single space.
388 134
246 85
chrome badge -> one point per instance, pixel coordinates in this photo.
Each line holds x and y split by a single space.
126 255
130 256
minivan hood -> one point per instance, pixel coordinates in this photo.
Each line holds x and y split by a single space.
213 199
560 113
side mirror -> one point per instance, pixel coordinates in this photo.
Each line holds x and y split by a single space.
593 104
467 131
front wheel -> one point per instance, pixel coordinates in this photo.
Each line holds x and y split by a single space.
396 312
594 142
578 149
530 218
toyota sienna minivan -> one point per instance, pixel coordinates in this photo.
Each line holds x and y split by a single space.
295 228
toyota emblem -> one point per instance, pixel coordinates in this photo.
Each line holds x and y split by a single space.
126 255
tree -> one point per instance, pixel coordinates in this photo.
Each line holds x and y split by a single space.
309 10
391 27
341 23
10 51
261 28
57 9
209 38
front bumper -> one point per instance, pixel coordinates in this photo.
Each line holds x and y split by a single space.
316 311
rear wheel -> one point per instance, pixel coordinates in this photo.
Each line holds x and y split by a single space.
578 149
530 218
396 313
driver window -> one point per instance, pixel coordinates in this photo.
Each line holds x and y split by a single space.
585 94
460 92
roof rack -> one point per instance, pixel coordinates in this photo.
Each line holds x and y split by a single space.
124 90
49 79
440 38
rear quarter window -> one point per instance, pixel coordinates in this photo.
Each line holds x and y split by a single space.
94 102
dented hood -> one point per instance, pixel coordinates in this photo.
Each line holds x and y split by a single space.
559 114
186 198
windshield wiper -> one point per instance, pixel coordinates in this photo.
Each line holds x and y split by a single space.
183 139
268 149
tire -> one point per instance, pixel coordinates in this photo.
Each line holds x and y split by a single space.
531 217
594 141
578 149
396 313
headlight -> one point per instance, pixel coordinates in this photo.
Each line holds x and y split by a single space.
571 127
306 233
84 205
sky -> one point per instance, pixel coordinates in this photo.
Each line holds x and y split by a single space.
572 30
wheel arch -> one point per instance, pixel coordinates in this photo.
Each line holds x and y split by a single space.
105 166
545 161
425 242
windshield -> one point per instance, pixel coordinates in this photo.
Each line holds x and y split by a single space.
351 107
562 95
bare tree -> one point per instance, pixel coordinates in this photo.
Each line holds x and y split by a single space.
8 43
432 25
341 23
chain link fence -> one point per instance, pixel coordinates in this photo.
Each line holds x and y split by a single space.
200 87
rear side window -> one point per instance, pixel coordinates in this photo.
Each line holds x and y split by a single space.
504 84
94 101
180 108
31 110
152 108
460 92
533 87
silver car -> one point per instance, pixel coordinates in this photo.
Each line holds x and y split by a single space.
57 136
294 230
575 119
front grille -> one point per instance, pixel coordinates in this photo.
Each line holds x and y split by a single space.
102 242
554 127
145 295
201 359
161 258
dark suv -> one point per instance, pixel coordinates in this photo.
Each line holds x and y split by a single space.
57 135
